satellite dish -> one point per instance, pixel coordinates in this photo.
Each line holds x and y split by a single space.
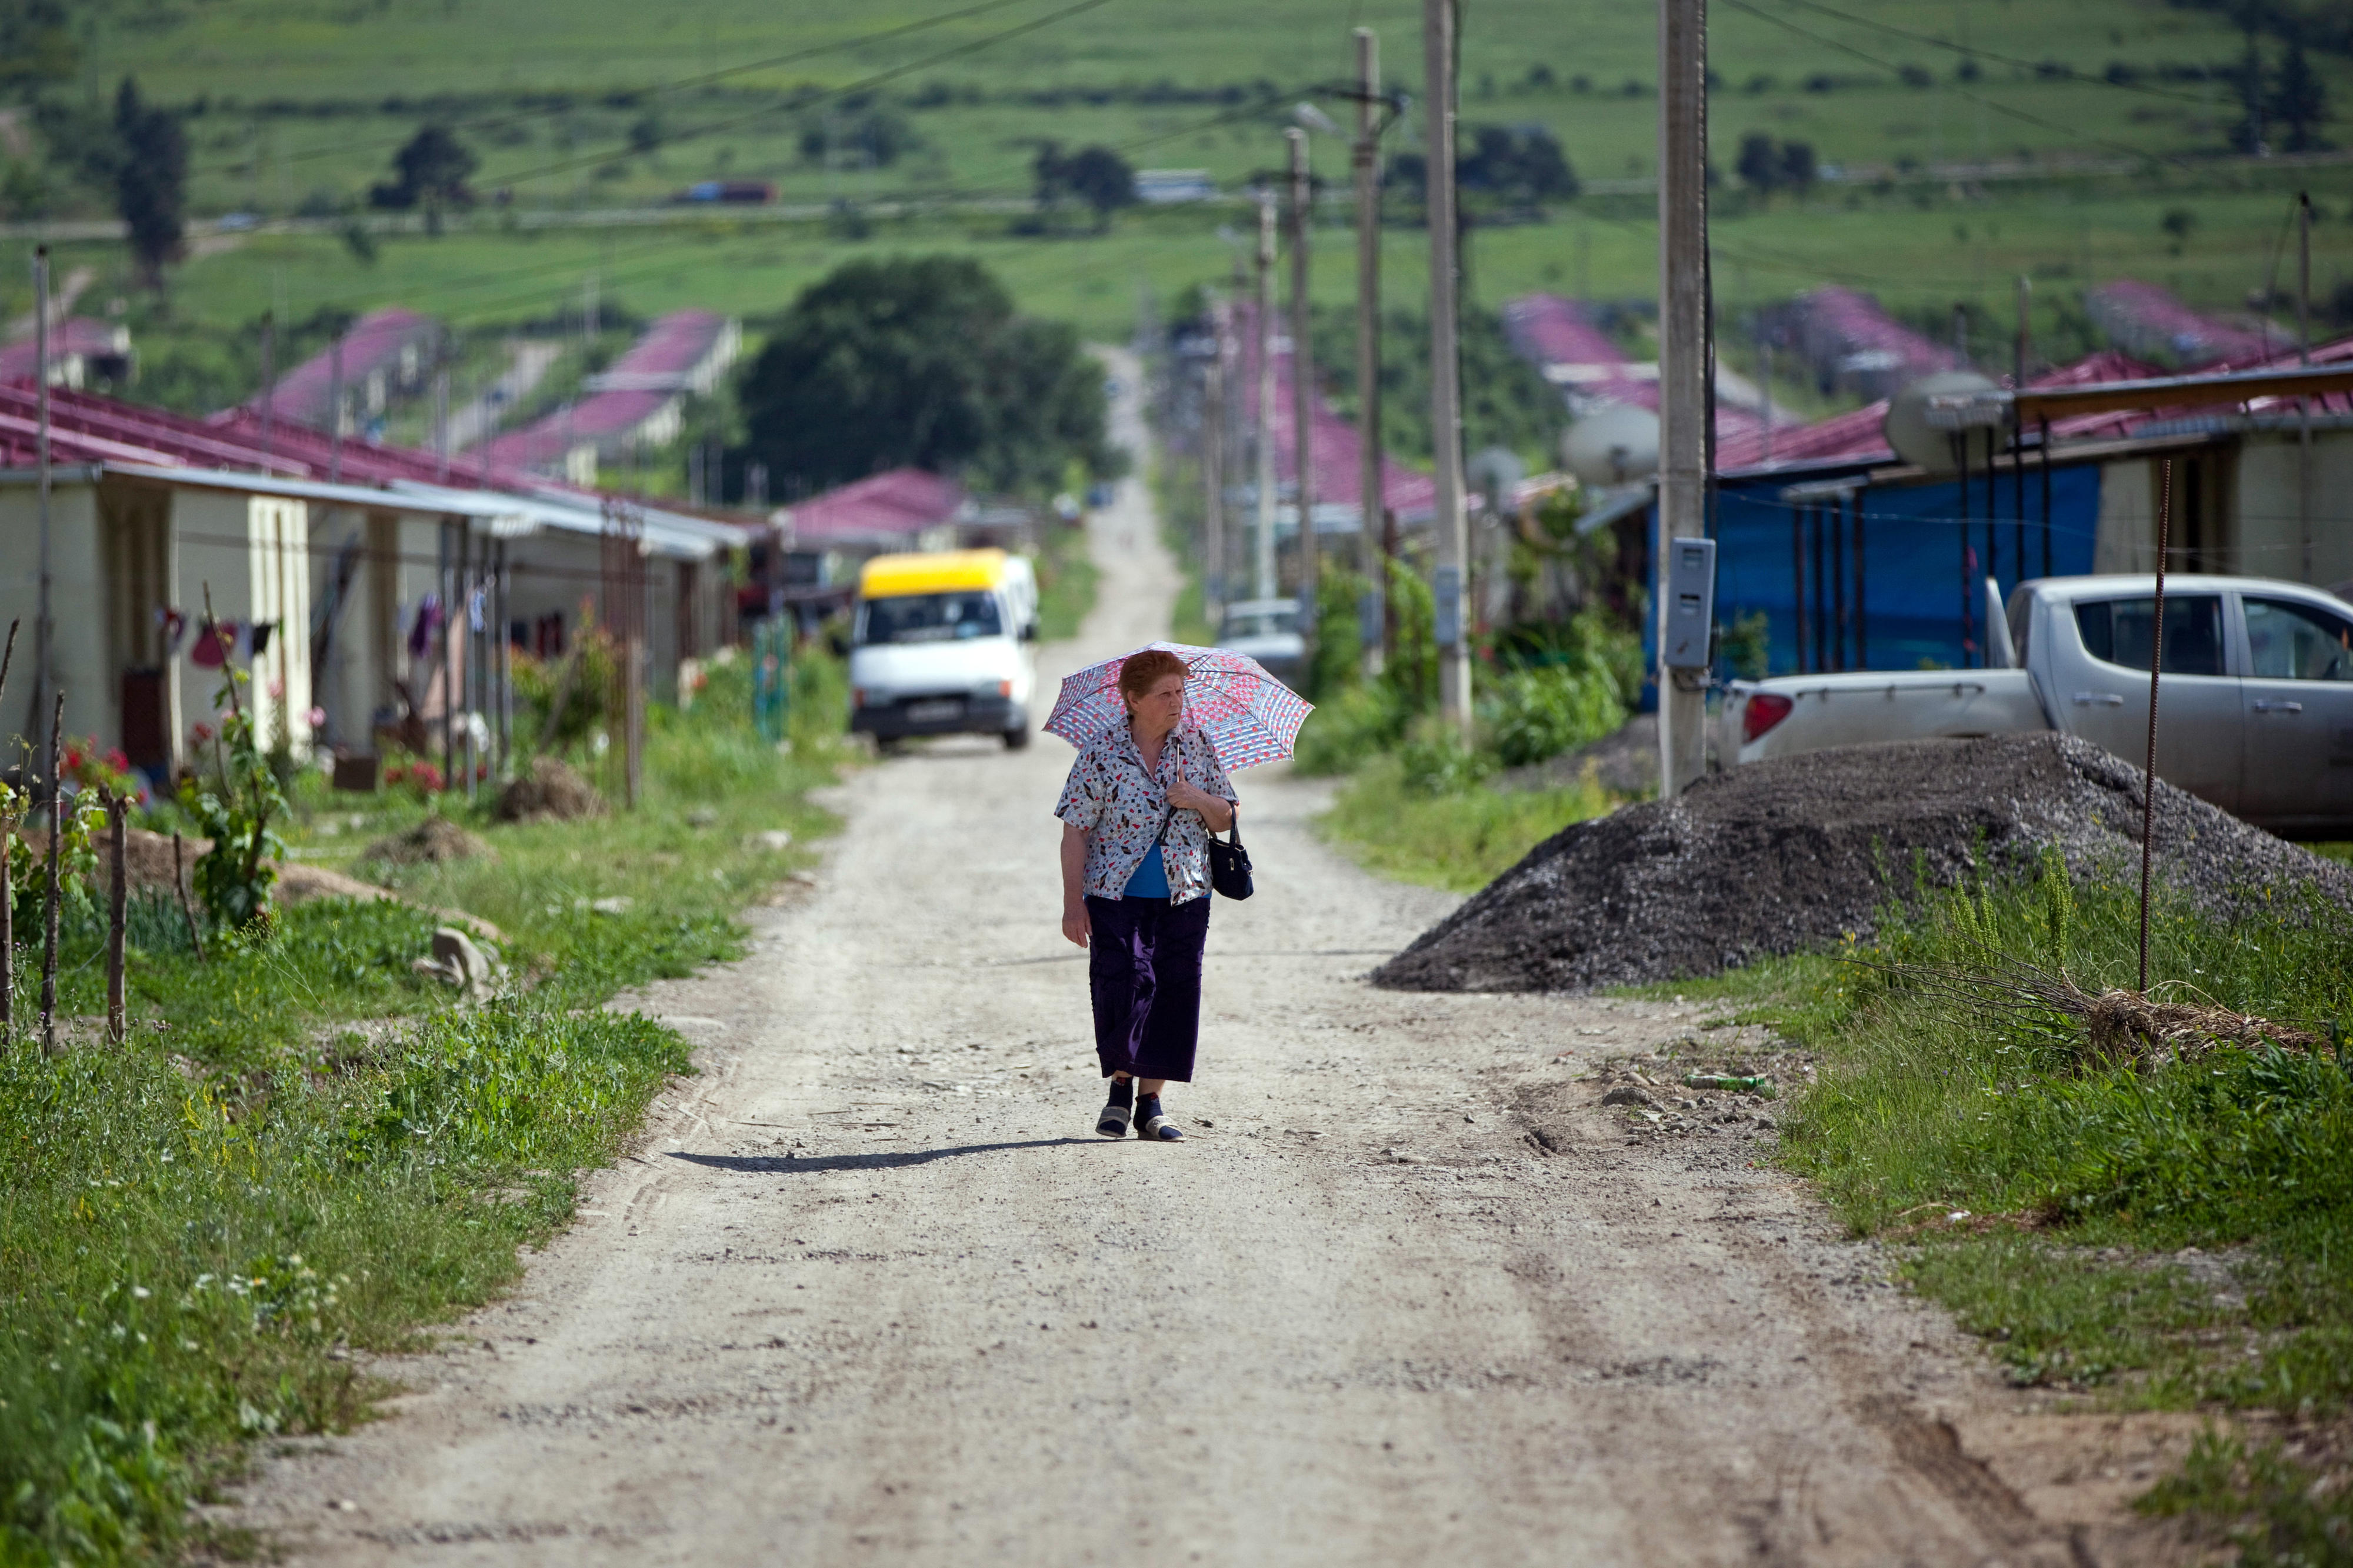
1928 442
1613 445
1494 470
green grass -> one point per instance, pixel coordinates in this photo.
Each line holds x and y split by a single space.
2175 1235
305 1150
1459 841
296 107
1066 575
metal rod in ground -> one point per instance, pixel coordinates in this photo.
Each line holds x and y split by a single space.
118 817
2155 664
180 891
50 900
7 893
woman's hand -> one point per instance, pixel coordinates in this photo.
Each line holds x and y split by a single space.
1076 927
1216 813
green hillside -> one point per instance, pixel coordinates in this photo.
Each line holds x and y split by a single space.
2089 139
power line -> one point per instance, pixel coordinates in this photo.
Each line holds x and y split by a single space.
1994 104
866 84
1972 52
497 123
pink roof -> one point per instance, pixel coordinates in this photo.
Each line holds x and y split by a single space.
87 428
1545 329
672 345
374 341
900 502
1334 447
74 335
2145 319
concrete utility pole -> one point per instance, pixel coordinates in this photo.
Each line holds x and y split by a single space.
1263 329
1303 383
44 633
336 412
268 384
1683 362
1372 542
2303 357
1438 42
1213 472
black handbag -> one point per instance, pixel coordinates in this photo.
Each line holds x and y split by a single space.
1229 863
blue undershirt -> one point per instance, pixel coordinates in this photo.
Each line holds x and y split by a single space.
1150 877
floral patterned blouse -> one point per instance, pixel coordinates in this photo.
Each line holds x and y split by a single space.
1111 796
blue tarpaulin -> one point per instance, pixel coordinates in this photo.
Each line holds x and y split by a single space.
1902 605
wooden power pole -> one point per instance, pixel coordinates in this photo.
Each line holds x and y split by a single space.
1372 545
1454 553
1213 473
1683 362
1302 386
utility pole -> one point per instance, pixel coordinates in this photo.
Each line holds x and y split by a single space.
336 412
1373 547
1438 42
2023 354
1683 362
1213 473
44 634
1302 387
1262 329
2303 357
268 377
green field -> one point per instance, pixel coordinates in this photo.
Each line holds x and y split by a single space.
294 107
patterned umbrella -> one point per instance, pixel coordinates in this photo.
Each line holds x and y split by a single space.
1248 715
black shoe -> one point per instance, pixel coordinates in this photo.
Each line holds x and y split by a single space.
1150 1123
1113 1123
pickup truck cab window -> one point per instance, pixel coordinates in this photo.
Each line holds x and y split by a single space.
2116 631
2288 641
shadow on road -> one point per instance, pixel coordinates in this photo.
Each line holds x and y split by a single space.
773 1165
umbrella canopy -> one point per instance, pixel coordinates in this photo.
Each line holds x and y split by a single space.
1248 716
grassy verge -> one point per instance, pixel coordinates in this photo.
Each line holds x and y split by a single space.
306 1150
1459 841
2148 1228
1066 575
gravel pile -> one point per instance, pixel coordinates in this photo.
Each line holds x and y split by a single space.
551 792
431 842
1793 853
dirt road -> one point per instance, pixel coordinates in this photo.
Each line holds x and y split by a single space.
872 1292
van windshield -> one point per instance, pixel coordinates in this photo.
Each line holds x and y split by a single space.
931 617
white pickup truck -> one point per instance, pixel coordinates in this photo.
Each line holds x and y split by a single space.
2254 704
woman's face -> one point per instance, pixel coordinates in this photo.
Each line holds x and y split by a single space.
1157 710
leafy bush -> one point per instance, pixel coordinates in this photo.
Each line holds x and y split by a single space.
1543 711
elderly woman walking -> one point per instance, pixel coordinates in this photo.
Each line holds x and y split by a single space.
1137 812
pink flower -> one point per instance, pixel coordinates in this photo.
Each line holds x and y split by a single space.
317 716
203 732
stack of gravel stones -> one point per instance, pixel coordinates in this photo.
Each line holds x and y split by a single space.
1799 852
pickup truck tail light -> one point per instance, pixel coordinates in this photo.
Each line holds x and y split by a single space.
1761 712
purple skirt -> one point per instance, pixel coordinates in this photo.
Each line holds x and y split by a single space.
1144 966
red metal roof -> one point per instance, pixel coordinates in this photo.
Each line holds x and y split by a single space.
900 502
374 341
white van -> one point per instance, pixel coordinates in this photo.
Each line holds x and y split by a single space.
939 646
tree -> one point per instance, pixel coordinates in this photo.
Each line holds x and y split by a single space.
921 362
432 168
151 181
2299 100
1523 163
1798 169
1760 162
1095 176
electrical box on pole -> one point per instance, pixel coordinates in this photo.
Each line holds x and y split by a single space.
1690 592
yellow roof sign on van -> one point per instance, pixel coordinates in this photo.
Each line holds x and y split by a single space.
892 576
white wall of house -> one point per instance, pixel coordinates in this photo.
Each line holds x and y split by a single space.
2127 541
253 553
2282 535
78 597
